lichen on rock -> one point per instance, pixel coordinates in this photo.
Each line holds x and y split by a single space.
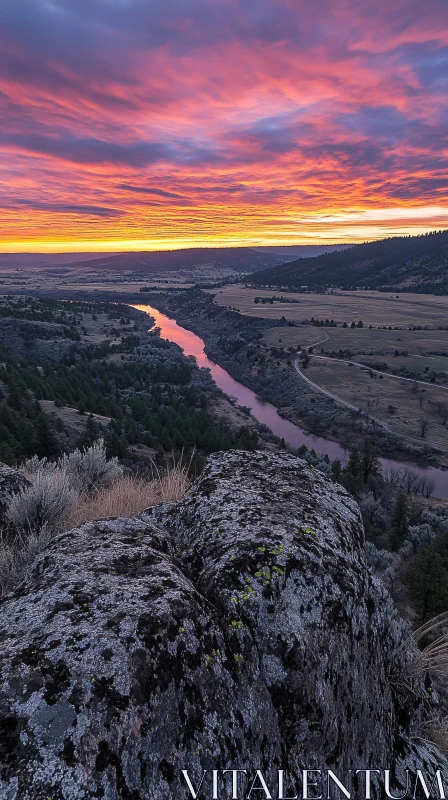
237 627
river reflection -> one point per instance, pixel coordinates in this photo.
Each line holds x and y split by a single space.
294 436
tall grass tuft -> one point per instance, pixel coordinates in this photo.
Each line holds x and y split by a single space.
129 495
434 657
435 730
431 660
81 487
16 556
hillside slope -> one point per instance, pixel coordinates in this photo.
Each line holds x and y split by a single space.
415 263
11 261
302 250
239 259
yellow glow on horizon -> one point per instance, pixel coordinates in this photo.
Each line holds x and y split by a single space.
230 132
347 227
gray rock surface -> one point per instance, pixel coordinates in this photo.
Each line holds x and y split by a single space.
11 482
238 628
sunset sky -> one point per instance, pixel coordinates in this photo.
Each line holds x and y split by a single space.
142 124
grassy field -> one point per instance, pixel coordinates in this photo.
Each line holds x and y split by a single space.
401 404
369 342
373 308
94 286
407 408
114 286
413 409
74 423
90 279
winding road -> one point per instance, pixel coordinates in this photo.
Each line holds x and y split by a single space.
384 425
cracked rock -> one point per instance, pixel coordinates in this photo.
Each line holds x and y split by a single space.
239 627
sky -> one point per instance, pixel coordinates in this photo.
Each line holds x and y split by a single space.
141 124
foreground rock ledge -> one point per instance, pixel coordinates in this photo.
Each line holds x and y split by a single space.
239 627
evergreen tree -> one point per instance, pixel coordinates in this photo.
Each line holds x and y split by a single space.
369 461
7 455
91 433
427 584
336 471
352 474
400 522
45 441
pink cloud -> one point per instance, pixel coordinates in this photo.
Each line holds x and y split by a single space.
251 115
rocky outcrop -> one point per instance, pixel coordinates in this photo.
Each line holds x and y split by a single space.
11 482
238 628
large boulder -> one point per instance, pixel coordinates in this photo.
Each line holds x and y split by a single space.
238 628
11 482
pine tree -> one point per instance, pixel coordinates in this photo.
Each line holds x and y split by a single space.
352 474
369 461
7 454
91 432
427 584
400 522
45 441
336 471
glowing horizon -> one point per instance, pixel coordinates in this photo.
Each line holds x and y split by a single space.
140 126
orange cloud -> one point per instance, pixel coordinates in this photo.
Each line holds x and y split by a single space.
129 126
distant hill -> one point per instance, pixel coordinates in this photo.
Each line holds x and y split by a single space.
302 250
37 260
413 263
238 259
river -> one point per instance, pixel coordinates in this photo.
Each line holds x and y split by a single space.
294 436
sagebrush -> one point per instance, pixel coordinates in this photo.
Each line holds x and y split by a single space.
81 487
43 504
90 469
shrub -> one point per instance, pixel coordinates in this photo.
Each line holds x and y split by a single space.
36 464
16 556
89 469
60 497
43 505
129 495
378 560
420 535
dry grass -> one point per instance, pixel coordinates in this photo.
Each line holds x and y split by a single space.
16 556
433 625
129 495
433 659
376 308
397 402
436 732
